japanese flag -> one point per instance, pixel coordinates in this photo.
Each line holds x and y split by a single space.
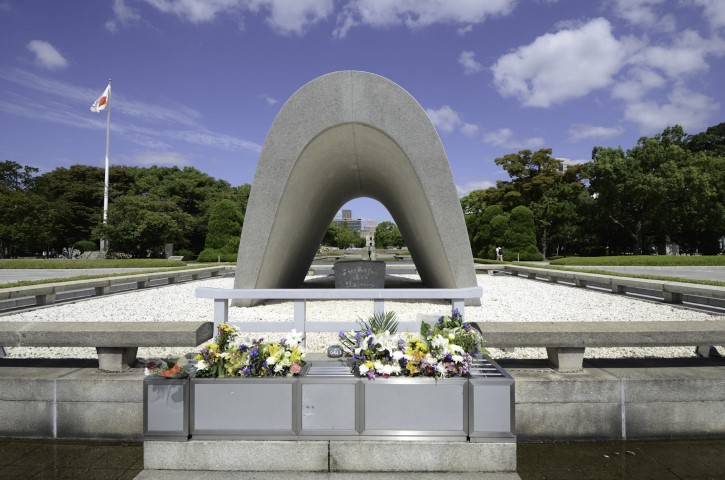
100 104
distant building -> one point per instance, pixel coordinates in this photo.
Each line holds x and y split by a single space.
354 224
565 163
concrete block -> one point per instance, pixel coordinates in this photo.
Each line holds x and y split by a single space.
19 389
351 456
100 420
675 419
237 455
566 359
45 299
26 418
92 385
675 390
588 386
573 421
113 359
672 297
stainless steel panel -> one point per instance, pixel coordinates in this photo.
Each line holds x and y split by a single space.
166 408
328 406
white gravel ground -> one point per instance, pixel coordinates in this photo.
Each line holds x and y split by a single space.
505 298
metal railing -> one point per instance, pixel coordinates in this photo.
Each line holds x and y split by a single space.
300 296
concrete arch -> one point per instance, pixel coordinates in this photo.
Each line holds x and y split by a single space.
342 136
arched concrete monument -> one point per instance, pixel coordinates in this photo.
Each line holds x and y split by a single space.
342 136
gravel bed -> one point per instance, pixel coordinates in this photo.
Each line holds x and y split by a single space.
505 298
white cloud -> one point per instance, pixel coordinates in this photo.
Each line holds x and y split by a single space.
639 82
468 61
161 159
419 13
464 30
685 107
444 119
643 13
560 66
269 100
580 131
504 137
283 16
46 55
123 16
138 121
687 54
296 16
468 187
469 129
714 11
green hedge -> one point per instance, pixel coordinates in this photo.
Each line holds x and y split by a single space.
645 261
213 255
54 263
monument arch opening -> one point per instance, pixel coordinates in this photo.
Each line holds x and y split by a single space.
342 136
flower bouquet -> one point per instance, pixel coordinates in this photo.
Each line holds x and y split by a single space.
445 349
233 355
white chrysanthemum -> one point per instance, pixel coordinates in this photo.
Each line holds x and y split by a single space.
397 370
439 342
455 348
202 365
387 370
278 368
363 369
457 358
271 360
397 355
441 368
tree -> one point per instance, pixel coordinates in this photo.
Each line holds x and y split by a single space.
142 225
661 190
225 227
387 234
520 238
531 173
346 237
711 141
27 221
330 238
16 177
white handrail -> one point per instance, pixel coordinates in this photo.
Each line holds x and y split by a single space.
221 297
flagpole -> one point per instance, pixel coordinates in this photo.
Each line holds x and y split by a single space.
104 241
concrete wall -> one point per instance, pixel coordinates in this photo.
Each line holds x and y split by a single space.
613 399
342 136
608 400
71 402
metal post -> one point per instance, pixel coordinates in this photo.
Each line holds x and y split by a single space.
300 316
379 306
221 311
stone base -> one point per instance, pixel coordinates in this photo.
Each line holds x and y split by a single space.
330 456
197 474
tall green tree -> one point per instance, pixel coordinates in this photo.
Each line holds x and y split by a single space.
225 227
387 235
520 238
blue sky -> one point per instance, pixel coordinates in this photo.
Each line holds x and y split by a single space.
199 82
